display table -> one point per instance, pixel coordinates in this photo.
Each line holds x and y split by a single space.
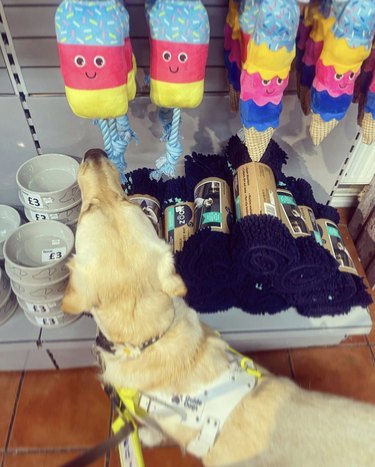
24 346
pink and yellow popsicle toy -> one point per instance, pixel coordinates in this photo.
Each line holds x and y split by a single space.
179 37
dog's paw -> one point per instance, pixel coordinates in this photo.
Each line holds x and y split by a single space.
150 437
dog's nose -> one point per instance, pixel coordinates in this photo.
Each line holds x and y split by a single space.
94 154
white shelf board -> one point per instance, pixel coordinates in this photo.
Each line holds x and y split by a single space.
71 346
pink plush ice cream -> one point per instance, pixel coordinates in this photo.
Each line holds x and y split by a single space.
336 84
262 91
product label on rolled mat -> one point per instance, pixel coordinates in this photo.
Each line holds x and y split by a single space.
254 190
333 242
309 218
178 224
212 205
151 207
291 214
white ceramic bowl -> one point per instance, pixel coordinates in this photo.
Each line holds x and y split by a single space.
9 221
8 309
41 309
4 287
52 322
36 252
39 293
49 182
66 217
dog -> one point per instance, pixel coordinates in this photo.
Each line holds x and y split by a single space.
125 275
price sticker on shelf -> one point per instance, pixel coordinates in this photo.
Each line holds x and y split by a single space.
53 254
32 199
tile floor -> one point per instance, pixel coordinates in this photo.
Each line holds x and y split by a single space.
48 418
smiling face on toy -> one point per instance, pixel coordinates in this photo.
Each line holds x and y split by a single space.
176 62
335 84
262 91
92 67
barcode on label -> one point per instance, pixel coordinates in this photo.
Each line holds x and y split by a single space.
270 209
53 254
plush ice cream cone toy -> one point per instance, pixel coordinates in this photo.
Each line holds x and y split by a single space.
265 73
319 14
346 45
368 121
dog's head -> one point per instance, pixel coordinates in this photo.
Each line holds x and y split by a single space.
120 262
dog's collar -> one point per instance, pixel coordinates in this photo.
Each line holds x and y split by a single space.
126 349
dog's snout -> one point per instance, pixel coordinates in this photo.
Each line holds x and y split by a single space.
94 154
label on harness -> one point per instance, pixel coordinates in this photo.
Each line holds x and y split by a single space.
333 242
178 224
254 190
129 449
291 214
151 207
212 205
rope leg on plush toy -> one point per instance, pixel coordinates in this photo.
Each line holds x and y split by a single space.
165 116
118 147
104 128
167 164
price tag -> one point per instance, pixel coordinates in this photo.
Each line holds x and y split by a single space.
38 216
32 199
53 254
40 308
46 321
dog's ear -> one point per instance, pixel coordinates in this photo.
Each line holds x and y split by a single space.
171 282
75 297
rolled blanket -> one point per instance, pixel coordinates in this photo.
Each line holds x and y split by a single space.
205 266
314 267
341 292
175 191
302 192
259 297
139 182
261 247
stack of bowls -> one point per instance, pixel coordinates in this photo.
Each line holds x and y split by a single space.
9 221
8 302
35 261
48 189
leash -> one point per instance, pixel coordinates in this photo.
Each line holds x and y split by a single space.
98 451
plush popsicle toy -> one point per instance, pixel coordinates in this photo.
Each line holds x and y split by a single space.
319 13
232 52
179 37
265 73
95 64
346 45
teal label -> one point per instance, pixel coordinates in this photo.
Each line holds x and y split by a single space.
170 214
333 231
238 208
286 199
212 217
